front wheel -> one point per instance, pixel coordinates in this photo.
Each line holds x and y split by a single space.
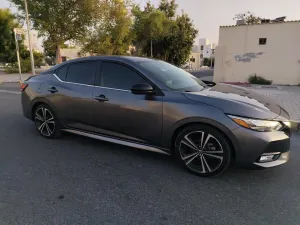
203 150
46 122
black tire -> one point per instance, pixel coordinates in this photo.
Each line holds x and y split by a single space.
52 128
215 156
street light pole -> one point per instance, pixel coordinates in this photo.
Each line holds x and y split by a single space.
29 38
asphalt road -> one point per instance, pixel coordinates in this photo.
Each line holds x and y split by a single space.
76 180
203 73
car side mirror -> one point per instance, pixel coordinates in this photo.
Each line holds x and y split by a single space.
209 83
142 89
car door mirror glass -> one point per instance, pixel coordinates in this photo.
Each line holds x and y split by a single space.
142 89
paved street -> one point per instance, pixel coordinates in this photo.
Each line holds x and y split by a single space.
204 74
76 180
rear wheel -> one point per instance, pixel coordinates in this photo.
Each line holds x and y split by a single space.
46 122
203 150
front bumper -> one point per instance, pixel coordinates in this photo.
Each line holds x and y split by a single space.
253 146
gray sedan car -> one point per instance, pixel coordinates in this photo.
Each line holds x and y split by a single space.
152 105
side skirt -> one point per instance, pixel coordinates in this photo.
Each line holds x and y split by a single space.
118 141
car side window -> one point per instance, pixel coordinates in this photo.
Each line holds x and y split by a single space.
117 76
62 72
82 73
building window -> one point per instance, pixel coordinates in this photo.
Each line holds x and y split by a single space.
201 56
201 47
262 41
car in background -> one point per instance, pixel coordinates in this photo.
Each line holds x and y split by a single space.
152 105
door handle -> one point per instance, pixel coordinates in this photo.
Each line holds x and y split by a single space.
101 98
52 90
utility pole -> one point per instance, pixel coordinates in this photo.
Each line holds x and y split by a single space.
29 38
18 54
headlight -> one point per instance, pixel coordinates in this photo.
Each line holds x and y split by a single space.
258 125
288 124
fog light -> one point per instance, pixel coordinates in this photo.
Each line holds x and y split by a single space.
266 158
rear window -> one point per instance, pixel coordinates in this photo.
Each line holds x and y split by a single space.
62 72
82 73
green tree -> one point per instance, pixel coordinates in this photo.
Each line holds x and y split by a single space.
208 62
174 43
248 17
112 35
168 7
61 20
7 40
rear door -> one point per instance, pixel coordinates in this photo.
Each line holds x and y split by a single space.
120 113
72 94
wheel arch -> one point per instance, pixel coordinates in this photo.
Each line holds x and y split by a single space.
208 122
38 101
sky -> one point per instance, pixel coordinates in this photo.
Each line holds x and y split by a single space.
208 15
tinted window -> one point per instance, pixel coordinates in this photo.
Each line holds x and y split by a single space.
62 72
119 76
173 77
82 73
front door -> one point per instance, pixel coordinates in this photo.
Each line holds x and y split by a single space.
120 113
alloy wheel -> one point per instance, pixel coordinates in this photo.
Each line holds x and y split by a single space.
201 152
45 121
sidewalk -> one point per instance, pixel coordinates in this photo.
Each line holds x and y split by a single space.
9 78
286 96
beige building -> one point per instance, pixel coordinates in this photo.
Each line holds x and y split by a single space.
269 50
195 62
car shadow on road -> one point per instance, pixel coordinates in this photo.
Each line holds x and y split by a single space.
167 165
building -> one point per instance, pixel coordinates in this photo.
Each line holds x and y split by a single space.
205 48
70 53
196 48
270 50
194 60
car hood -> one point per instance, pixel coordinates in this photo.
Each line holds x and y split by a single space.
239 101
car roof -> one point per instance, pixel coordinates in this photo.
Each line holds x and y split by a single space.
128 59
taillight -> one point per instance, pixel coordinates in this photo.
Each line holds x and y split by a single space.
23 86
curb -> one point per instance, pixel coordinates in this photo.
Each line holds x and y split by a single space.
295 126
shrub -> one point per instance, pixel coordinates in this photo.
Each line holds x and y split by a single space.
254 79
13 68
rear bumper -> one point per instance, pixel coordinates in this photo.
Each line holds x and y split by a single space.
264 149
26 105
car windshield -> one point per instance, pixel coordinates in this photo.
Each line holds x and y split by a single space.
174 78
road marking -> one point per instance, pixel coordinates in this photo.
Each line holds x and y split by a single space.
10 92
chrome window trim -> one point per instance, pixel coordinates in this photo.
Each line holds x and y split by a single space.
71 82
89 85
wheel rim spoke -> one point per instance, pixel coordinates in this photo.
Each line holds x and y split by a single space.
213 152
190 143
214 156
206 140
48 129
44 113
204 160
38 117
202 163
49 113
188 162
189 156
41 128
